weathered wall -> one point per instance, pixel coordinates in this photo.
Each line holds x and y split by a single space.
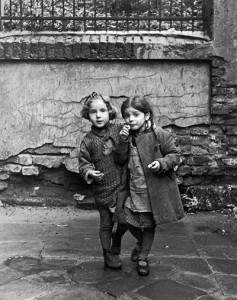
190 80
225 36
40 103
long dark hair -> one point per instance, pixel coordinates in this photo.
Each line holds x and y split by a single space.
140 103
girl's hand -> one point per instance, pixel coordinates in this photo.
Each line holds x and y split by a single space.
96 175
154 166
124 133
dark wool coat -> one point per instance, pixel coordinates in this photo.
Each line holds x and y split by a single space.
156 144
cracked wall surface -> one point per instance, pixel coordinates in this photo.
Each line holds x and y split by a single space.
40 103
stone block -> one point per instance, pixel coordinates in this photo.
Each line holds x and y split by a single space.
41 50
199 131
198 160
232 140
4 175
1 51
50 51
24 159
25 50
211 197
49 161
85 50
59 50
30 170
72 164
199 170
13 168
16 50
197 150
231 130
3 185
230 162
76 50
68 52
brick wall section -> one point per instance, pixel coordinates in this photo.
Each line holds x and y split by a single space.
209 168
53 46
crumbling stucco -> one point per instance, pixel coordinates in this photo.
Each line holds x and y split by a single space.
40 103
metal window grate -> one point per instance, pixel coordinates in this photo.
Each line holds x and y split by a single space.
105 15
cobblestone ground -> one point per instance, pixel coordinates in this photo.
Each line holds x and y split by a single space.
54 253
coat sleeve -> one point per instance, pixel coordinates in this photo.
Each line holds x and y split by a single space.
121 152
169 151
85 164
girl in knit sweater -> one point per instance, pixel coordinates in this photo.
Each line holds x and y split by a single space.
98 167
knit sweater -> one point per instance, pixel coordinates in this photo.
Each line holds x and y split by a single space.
97 153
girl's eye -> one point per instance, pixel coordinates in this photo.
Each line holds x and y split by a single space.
103 110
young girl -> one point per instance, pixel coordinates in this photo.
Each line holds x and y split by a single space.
97 166
153 196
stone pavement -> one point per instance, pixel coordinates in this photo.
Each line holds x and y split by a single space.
54 253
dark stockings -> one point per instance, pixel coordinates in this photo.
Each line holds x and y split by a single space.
145 238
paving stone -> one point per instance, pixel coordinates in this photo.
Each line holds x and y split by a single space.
224 266
212 240
19 248
23 232
76 293
92 272
23 289
228 284
169 289
194 265
129 280
174 245
73 248
219 252
7 275
177 228
205 283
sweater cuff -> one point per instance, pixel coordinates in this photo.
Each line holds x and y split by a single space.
88 179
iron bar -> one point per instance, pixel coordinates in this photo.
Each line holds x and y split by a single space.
105 15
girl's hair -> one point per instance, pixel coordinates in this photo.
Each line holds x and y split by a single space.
94 96
141 104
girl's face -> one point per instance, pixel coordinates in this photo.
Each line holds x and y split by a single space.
98 113
135 118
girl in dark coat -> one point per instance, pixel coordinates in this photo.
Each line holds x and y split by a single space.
153 196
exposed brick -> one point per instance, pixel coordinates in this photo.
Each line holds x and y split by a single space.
199 131
76 50
42 50
232 140
199 170
111 50
1 51
59 50
30 170
8 50
198 160
85 50
217 62
231 130
16 50
25 50
50 51
34 50
94 50
3 185
68 50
